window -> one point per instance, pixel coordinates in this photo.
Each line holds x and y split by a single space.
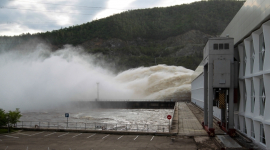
238 99
252 56
215 46
261 51
245 96
252 130
262 97
220 46
252 96
226 45
262 135
238 123
245 60
245 127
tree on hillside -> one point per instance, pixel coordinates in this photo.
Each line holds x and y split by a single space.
139 37
210 17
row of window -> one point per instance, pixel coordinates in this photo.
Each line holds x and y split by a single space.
252 54
262 97
262 132
221 46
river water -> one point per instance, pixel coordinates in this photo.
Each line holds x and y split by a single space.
110 116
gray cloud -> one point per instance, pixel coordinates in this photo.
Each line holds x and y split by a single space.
25 16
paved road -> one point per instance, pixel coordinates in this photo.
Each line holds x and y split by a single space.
32 140
188 123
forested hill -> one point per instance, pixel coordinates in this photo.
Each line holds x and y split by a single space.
154 30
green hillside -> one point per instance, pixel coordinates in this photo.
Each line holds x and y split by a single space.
157 23
149 29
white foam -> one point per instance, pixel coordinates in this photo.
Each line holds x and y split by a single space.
40 79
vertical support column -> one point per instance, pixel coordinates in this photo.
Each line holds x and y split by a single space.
210 95
223 110
205 73
231 131
231 111
208 99
223 116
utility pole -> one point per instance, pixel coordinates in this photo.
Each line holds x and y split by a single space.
97 91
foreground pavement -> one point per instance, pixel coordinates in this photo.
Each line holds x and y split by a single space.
36 140
188 123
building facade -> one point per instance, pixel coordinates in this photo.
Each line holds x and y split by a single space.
250 29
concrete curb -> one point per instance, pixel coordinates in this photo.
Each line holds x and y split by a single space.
101 131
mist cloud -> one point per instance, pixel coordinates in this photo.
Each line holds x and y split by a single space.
39 78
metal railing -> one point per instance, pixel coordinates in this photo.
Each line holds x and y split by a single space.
182 98
93 126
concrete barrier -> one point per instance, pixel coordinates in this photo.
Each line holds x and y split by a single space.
174 120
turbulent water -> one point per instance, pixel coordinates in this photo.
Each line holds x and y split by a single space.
40 79
37 80
110 116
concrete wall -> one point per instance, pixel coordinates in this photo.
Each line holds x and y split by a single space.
132 105
197 91
197 94
244 116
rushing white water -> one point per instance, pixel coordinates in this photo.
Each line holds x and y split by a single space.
40 79
111 116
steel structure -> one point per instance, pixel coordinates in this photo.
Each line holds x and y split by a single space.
219 80
250 29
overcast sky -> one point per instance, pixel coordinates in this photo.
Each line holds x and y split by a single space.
23 16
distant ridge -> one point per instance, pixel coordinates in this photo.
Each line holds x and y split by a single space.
144 37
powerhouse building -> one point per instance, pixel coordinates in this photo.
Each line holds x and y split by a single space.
250 29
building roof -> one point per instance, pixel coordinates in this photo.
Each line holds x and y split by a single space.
249 18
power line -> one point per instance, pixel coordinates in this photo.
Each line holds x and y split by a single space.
69 5
1 7
37 22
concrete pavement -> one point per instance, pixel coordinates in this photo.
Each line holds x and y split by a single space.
188 123
44 140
